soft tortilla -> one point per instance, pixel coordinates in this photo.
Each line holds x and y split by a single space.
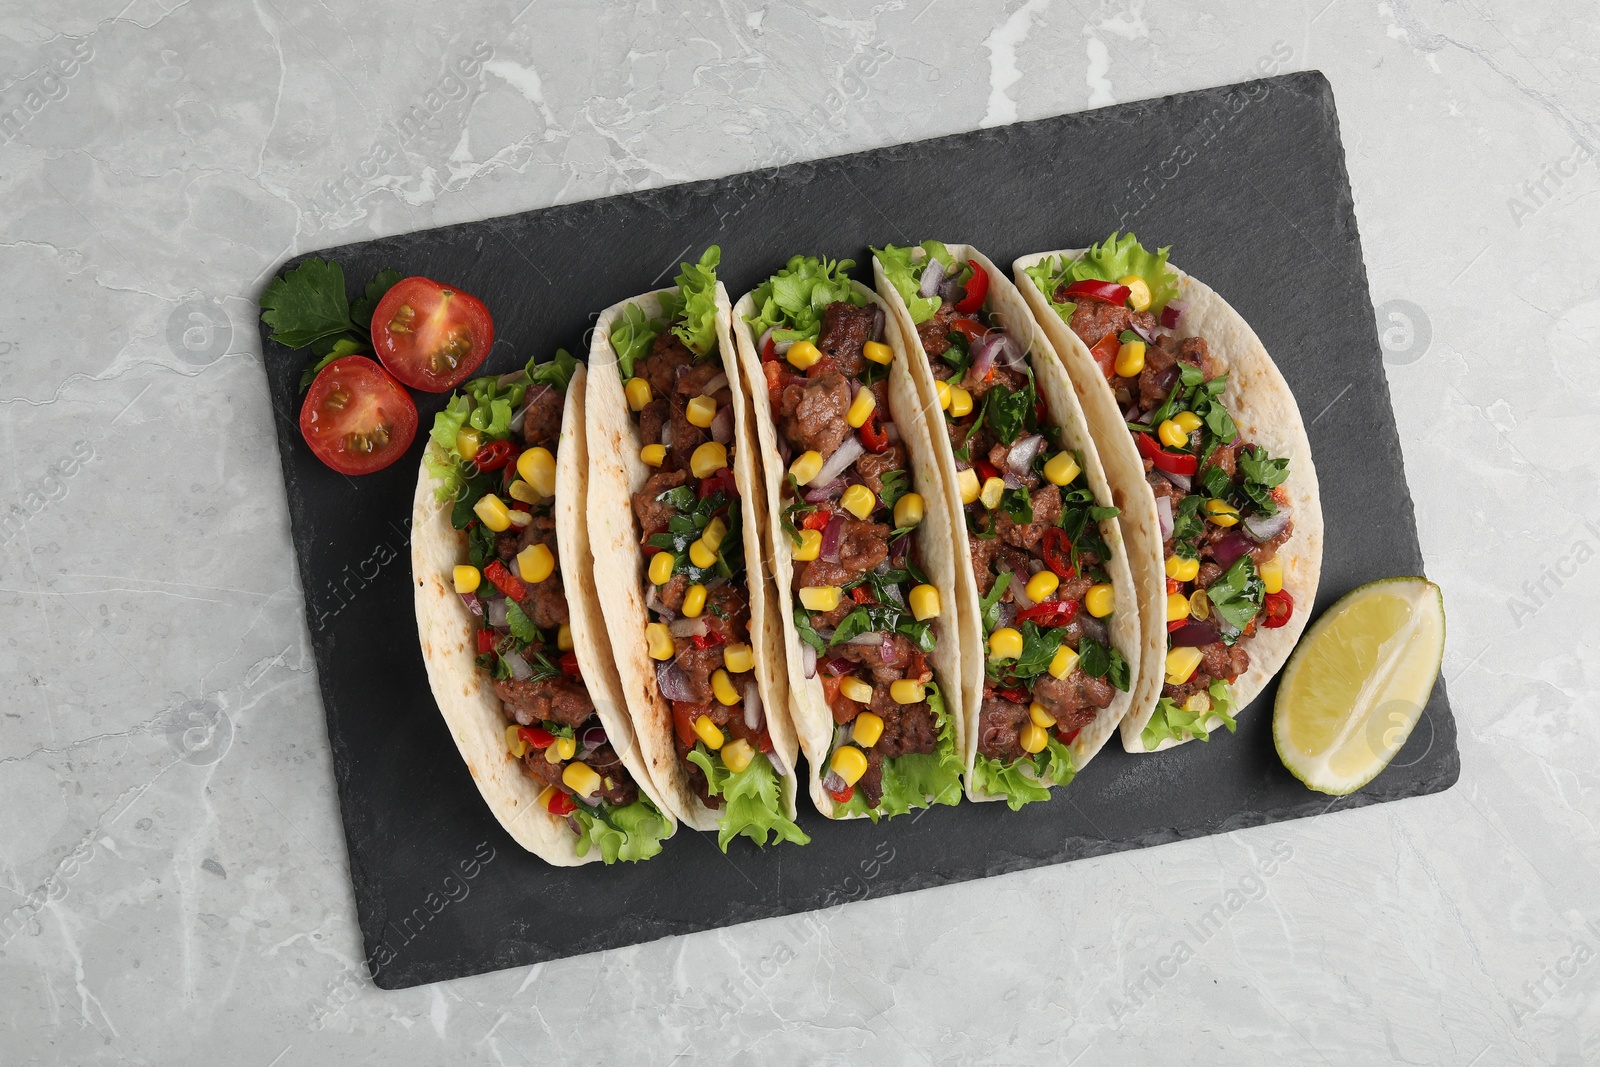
1007 305
1266 413
812 719
615 473
466 698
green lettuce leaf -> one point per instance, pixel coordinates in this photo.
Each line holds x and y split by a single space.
1107 261
556 373
905 276
910 781
752 800
1027 779
697 286
1174 723
792 300
631 832
631 337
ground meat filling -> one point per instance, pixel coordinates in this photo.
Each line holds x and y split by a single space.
812 414
846 329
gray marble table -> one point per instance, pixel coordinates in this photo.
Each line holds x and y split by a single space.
168 901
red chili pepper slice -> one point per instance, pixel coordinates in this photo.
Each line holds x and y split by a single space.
817 519
977 289
494 455
1016 696
873 439
486 639
536 736
1176 624
860 595
505 581
843 796
720 482
1276 609
972 329
1056 548
569 665
1171 462
1050 612
561 804
1105 354
1105 292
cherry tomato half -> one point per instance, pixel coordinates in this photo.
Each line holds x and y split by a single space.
430 336
356 418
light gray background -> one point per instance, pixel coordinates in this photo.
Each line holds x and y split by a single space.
173 885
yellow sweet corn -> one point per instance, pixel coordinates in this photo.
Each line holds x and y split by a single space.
638 393
960 401
565 748
991 491
967 482
1138 292
1005 643
1172 434
521 490
653 455
1033 737
467 578
701 556
820 597
810 546
861 408
564 638
1130 358
737 755
1062 468
1101 600
1064 661
1181 663
1041 715
714 532
580 778
866 729
1041 585
467 443
658 639
1182 570
738 657
1177 607
700 411
908 511
492 512
1187 421
709 732
535 563
1221 512
942 391
906 691
1271 575
722 688
849 763
877 351
858 501
694 602
661 565
515 745
924 601
538 468
803 355
805 466
708 459
857 690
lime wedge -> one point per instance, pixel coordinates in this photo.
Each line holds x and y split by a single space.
1358 682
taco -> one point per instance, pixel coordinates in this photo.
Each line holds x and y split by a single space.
860 541
1208 459
1049 618
511 632
678 575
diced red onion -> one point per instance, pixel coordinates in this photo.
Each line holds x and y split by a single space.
829 549
752 704
850 451
838 665
932 275
497 614
1147 333
1193 634
1018 593
666 433
1022 454
824 493
591 739
1172 313
1008 613
831 781
784 451
574 825
808 660
877 323
1011 354
892 591
1229 547
652 600
672 682
519 666
715 384
1164 379
1266 527
871 637
777 763
722 424
950 290
588 802
1091 626
697 627
897 550
472 602
983 354
1131 414
1164 514
761 343
1182 481
891 431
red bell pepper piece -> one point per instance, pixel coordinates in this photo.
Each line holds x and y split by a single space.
1276 609
486 639
569 665
720 482
860 595
873 439
1105 354
1105 292
817 519
494 455
505 581
1050 612
843 796
1067 737
705 641
977 289
769 351
1016 696
561 804
985 469
777 378
1172 462
1056 548
536 736
972 329
684 713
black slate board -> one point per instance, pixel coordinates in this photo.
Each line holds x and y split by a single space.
1248 185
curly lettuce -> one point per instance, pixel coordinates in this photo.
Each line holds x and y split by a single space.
697 288
556 372
917 779
1025 780
631 832
792 300
1171 722
906 275
1107 261
631 337
753 800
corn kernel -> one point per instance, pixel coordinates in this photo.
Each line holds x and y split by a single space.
858 501
1062 468
820 597
1005 643
1187 421
738 657
1222 513
521 490
1172 434
580 778
1182 570
552 754
960 401
661 565
1101 600
1041 585
1138 292
805 466
694 602
866 730
658 639
535 563
467 578
737 755
708 459
700 411
906 691
924 601
714 532
638 393
849 763
1064 661
723 689
515 745
538 468
861 408
908 511
566 747
520 519
1033 737
1199 604
877 351
1197 703
1177 607
942 391
1181 664
564 638
653 455
467 443
991 492
701 556
1271 574
803 355
810 546
967 482
859 691
708 732
493 512
1041 715
1130 359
